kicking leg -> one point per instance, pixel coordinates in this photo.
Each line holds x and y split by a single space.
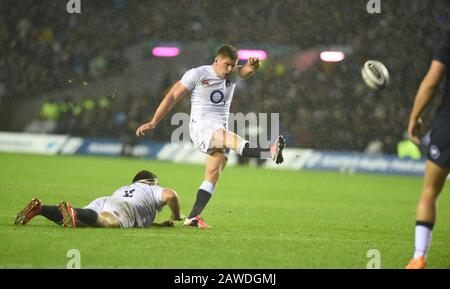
223 138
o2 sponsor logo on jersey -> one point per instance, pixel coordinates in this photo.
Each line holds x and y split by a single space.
434 152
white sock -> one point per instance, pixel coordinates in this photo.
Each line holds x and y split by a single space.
241 147
208 186
422 241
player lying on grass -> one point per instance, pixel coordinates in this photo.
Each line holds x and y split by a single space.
134 205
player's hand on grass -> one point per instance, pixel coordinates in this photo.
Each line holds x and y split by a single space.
414 129
167 223
177 218
145 127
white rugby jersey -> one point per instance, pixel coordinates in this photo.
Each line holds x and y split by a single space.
145 200
211 95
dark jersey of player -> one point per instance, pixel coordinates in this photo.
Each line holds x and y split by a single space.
442 54
439 146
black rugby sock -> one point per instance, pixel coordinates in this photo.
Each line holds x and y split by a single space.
52 213
252 152
428 225
200 203
87 216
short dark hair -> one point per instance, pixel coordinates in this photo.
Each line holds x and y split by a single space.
228 51
145 175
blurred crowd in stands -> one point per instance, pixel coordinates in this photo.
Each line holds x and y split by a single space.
321 105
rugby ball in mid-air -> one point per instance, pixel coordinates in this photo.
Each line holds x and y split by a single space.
375 74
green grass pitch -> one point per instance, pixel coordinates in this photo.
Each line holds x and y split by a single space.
262 218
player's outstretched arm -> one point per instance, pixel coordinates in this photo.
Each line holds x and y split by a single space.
171 198
423 97
173 96
252 65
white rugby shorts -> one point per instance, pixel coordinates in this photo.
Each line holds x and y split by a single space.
201 132
116 206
